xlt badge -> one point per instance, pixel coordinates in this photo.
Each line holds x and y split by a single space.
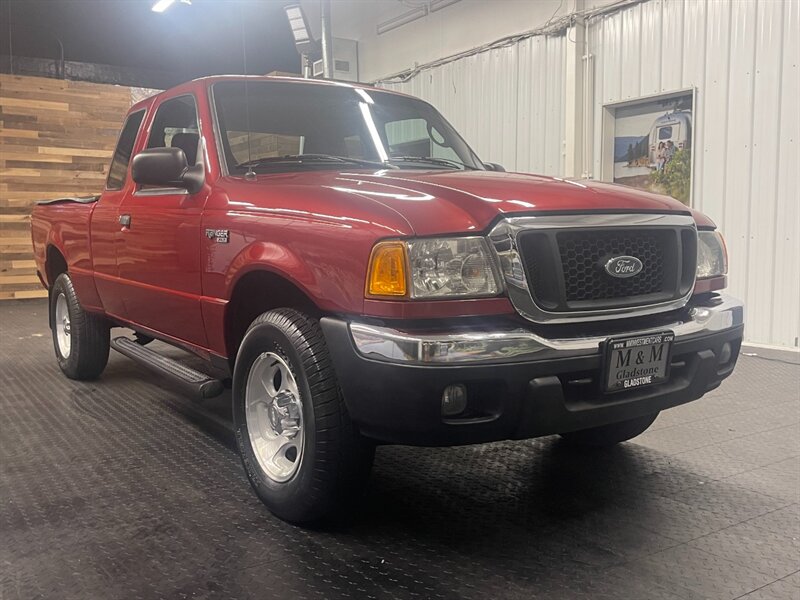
221 236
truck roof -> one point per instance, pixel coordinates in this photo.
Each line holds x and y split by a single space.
203 83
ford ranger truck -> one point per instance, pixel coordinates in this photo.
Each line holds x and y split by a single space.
341 255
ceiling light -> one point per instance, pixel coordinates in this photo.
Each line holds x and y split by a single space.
163 5
300 30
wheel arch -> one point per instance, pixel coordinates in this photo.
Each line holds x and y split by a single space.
55 263
256 291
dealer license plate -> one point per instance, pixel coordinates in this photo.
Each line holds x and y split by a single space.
637 361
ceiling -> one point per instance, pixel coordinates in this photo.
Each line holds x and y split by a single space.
184 42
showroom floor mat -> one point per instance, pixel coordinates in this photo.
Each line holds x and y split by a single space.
121 488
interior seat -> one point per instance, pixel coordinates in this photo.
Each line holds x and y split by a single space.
187 142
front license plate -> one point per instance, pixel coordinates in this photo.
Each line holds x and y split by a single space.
637 361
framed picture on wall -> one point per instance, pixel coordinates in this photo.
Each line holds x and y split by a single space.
647 143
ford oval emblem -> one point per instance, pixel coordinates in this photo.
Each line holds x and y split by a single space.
623 266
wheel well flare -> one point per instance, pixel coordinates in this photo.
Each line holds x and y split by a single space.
255 293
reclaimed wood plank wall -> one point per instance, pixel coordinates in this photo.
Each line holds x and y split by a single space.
56 139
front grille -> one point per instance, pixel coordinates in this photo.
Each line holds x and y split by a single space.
565 269
584 254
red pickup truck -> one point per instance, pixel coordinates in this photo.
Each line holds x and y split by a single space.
363 277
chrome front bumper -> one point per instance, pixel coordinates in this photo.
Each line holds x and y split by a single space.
480 346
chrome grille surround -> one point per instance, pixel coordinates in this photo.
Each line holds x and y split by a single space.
504 240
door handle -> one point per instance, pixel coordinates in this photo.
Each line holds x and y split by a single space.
125 220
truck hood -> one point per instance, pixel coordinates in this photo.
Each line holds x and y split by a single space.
441 202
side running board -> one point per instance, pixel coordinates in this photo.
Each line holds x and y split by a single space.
194 382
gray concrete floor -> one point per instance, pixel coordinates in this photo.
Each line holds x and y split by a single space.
121 488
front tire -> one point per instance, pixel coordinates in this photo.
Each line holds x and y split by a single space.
610 435
303 456
80 339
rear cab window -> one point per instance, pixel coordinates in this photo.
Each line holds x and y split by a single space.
416 137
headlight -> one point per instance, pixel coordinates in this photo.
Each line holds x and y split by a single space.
451 267
712 256
434 268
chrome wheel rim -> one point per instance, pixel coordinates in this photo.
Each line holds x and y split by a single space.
62 325
274 416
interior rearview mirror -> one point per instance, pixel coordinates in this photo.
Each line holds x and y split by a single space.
166 167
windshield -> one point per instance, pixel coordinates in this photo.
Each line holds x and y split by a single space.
298 126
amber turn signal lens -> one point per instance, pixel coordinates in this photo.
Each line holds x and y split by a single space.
387 270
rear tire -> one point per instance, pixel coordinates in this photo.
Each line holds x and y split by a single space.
609 435
80 339
304 458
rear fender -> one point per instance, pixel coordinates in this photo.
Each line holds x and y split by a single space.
77 255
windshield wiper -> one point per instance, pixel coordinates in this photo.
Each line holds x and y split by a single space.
312 158
445 162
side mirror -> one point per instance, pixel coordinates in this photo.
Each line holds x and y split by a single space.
166 167
494 167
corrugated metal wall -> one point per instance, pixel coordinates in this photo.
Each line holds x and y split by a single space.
508 103
741 56
743 59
